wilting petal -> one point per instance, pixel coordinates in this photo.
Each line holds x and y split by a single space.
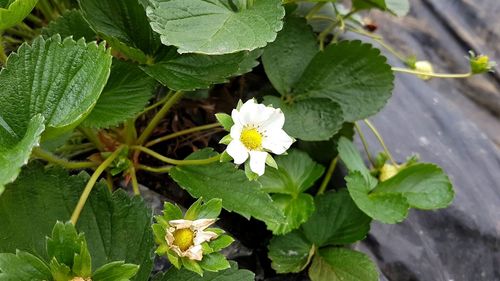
179 224
238 151
194 253
201 224
277 141
170 235
177 250
204 236
258 162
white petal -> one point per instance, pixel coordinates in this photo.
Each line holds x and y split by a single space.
238 151
201 224
258 162
180 224
236 130
204 236
177 250
254 114
194 253
170 236
235 115
276 121
277 141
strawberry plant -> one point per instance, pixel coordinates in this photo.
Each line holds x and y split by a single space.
100 96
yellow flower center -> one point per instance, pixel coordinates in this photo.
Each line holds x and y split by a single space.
81 279
183 238
251 138
483 59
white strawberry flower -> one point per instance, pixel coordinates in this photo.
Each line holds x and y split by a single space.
185 237
257 130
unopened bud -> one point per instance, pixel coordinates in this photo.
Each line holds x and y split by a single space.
388 171
480 63
425 67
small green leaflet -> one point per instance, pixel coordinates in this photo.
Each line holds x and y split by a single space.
350 156
15 13
290 253
216 27
225 181
340 264
48 86
296 173
127 92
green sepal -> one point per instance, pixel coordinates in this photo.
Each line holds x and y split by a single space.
221 242
225 157
192 266
249 173
60 271
206 248
82 264
171 212
174 259
199 210
271 162
226 140
214 262
65 243
117 270
225 120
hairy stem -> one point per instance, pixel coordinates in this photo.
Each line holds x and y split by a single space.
381 141
175 161
90 184
430 74
158 117
51 158
181 133
328 176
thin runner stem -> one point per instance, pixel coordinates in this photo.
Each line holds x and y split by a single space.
135 184
158 170
365 143
430 74
181 133
175 161
51 158
381 141
90 184
328 176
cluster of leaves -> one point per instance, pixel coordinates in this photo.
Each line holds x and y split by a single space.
92 72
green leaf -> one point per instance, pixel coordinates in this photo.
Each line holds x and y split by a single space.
15 151
385 207
296 173
192 265
225 181
214 262
336 220
351 73
310 119
64 243
340 264
297 210
124 25
324 151
115 271
290 253
127 93
23 266
216 26
49 83
188 72
397 7
225 120
71 23
425 186
349 154
116 226
231 274
286 58
15 13
210 209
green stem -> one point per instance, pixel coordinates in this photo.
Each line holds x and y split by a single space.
3 56
130 131
135 184
12 40
51 158
365 143
436 75
315 9
328 176
23 26
181 133
91 135
175 161
91 183
155 105
36 20
21 33
381 141
158 117
46 9
159 170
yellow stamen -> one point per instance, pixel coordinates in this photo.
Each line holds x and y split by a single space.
251 138
183 238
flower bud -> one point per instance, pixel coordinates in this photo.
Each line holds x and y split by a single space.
480 63
388 171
